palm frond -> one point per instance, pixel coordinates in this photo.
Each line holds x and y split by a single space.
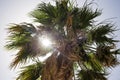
101 34
41 14
30 72
106 56
84 17
91 75
28 46
93 64
19 34
48 14
29 50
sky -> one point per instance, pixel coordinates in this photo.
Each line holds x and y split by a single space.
17 11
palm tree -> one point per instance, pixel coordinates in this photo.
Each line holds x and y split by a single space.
81 49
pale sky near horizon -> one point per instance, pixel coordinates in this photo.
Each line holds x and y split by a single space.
16 11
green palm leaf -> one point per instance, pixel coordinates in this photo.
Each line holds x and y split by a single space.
48 14
93 64
30 72
83 17
19 34
91 75
101 34
28 46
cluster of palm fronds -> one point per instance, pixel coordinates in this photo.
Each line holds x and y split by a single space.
82 49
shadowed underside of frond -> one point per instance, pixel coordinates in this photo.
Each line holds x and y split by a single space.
91 75
106 56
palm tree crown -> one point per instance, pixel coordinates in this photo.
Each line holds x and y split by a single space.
80 47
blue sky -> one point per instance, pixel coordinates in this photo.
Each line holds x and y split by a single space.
16 11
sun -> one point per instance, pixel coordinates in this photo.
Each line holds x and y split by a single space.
46 42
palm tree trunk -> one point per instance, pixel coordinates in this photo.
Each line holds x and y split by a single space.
57 67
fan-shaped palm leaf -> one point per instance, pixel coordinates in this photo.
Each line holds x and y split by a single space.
100 34
83 17
31 72
106 56
48 14
21 38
